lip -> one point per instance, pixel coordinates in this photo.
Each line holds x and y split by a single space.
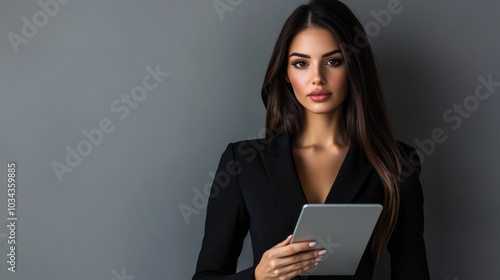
320 92
319 95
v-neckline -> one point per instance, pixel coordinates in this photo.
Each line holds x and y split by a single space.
334 181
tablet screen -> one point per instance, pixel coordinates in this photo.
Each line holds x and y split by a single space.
342 229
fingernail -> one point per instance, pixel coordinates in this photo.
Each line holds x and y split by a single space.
289 236
316 263
318 258
312 244
322 252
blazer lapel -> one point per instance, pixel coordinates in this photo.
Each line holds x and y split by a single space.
280 167
352 174
282 172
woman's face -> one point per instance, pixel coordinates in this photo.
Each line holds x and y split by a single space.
317 71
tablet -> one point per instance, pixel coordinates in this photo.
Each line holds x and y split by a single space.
342 229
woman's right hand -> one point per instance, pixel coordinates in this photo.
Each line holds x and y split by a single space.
285 261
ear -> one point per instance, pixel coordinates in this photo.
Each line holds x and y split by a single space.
286 78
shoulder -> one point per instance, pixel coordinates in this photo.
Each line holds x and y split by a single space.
403 147
410 160
252 142
246 149
411 188
256 145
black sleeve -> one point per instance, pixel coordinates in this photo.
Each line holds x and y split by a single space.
226 225
406 245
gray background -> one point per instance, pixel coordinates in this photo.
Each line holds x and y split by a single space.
116 215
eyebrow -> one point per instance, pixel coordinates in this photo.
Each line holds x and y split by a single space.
307 56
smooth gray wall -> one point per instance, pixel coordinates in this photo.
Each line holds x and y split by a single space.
116 215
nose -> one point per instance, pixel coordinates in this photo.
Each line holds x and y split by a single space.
317 75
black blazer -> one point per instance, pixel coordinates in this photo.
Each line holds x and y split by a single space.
256 189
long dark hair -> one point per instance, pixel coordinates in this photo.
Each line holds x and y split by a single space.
364 109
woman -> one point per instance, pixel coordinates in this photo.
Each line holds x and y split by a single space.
328 140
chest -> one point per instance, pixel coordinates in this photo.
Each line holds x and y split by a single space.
317 171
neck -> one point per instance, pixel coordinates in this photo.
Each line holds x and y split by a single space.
323 130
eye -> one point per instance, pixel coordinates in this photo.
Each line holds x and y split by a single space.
334 62
299 64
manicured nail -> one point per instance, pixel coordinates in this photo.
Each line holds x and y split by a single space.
322 252
316 263
318 258
290 236
312 244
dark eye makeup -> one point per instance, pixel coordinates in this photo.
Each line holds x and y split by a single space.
335 62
